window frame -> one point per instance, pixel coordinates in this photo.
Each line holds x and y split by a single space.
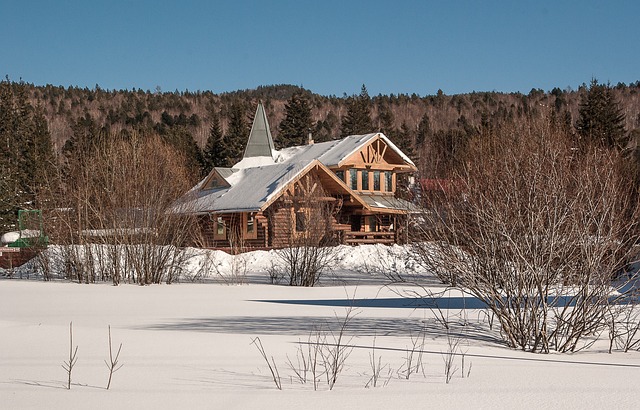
217 223
388 181
376 180
353 179
246 218
364 178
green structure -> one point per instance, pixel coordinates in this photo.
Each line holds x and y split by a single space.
31 230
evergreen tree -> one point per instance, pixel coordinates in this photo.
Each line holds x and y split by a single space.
358 118
236 137
85 135
182 140
26 153
404 140
385 121
601 119
297 122
214 149
424 130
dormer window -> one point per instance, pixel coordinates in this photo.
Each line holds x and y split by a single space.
215 181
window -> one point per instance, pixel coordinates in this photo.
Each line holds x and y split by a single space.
219 229
301 221
388 181
365 179
340 175
353 173
250 230
376 180
372 224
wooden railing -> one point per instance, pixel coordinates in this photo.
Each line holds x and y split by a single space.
354 238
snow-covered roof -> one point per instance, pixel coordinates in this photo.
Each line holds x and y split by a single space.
256 180
332 153
250 189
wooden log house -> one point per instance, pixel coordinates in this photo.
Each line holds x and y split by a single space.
270 196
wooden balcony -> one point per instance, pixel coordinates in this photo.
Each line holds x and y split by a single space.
357 238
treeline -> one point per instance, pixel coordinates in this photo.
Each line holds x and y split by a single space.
44 126
118 110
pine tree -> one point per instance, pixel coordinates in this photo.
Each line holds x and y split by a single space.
424 130
214 149
385 121
297 122
358 118
85 135
182 140
26 153
236 137
404 140
601 119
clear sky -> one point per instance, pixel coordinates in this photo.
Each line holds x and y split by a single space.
329 47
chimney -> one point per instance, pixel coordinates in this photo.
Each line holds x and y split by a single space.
310 139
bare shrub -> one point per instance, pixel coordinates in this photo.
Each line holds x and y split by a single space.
309 252
73 357
375 363
413 363
112 364
337 349
535 227
273 368
308 363
122 196
327 349
624 324
448 357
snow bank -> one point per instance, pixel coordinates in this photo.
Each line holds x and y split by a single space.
202 264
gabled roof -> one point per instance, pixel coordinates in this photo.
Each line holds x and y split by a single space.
334 153
252 189
255 182
260 143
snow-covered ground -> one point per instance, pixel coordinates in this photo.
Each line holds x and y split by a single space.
188 345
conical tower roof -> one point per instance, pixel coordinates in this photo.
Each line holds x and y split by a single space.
260 143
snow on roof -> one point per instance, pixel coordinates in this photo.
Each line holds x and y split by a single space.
250 189
255 180
252 162
331 153
224 172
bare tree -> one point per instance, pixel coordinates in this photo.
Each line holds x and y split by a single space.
536 229
122 197
309 252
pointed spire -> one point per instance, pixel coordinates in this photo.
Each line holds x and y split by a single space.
260 143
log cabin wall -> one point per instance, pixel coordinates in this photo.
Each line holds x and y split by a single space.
280 226
231 236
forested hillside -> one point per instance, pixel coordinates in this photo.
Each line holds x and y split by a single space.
402 116
42 122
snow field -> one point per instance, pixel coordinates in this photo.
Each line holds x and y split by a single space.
187 345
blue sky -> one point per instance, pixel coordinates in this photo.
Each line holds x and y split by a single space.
329 47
